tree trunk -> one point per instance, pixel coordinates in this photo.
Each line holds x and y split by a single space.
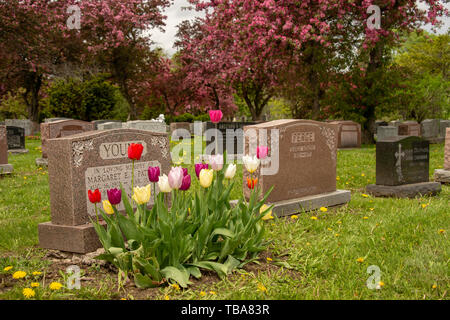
33 84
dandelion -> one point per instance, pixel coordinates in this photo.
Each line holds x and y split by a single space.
424 205
365 218
213 292
28 293
323 209
363 175
7 268
337 235
293 217
175 286
261 287
371 209
339 222
434 286
37 273
19 274
337 178
441 231
365 195
166 297
308 243
269 259
380 284
202 293
35 284
313 218
329 229
55 286
360 260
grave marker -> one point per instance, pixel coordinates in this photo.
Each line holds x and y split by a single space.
443 175
5 168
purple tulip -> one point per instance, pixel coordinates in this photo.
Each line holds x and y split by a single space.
185 172
114 196
199 167
153 174
186 184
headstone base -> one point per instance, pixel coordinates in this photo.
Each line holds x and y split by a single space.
441 175
78 239
405 191
42 162
18 151
6 169
309 203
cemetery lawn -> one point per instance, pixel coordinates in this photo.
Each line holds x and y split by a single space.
315 255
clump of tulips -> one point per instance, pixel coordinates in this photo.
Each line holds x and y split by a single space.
184 231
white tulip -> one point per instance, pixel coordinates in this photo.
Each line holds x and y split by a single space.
251 163
230 172
163 184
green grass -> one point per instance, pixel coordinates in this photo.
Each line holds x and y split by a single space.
406 238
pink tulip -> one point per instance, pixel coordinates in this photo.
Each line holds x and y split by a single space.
216 162
262 152
176 177
215 115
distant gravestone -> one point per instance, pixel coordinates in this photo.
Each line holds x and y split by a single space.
58 129
430 130
98 123
16 140
306 153
409 128
180 125
380 123
386 132
443 125
5 168
349 134
89 161
148 125
29 126
402 168
109 125
443 175
48 120
231 138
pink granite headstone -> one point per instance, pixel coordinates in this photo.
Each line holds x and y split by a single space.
447 150
349 134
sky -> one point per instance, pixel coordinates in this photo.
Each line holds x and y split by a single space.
175 15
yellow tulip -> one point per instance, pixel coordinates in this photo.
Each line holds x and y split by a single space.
268 215
206 177
142 194
108 207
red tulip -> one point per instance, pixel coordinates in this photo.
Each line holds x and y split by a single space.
135 151
215 116
94 196
251 183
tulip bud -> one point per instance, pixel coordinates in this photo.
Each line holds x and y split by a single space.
142 194
94 196
164 185
216 162
135 151
206 177
230 172
153 174
251 163
176 177
108 207
215 116
251 183
114 196
186 183
262 152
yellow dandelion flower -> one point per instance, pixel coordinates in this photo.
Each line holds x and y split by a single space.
313 218
261 287
55 286
293 217
7 268
35 284
434 286
28 293
365 218
166 297
19 274
346 183
323 209
380 284
337 178
360 260
269 259
441 231
308 244
329 229
202 293
339 222
424 205
212 292
123 299
337 235
175 286
37 273
365 195
363 175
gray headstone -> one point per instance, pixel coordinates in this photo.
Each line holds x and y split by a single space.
384 132
109 125
231 138
15 137
443 125
22 123
148 125
430 128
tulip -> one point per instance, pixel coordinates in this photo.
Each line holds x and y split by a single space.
142 194
230 172
215 116
114 196
251 163
206 177
251 183
186 183
153 174
176 177
262 152
268 215
216 162
94 196
164 185
185 172
135 151
108 207
199 167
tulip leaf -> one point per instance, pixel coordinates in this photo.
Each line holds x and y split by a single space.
176 275
144 281
223 232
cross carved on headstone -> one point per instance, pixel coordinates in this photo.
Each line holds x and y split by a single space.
398 164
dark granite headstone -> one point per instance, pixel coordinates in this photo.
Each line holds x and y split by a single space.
401 160
15 137
232 138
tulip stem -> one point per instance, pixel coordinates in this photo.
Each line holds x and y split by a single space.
96 213
132 176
